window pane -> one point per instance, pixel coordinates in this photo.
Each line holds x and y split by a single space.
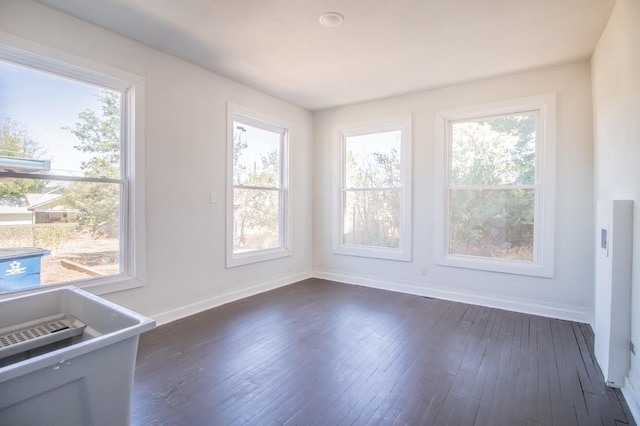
71 230
373 160
51 124
256 156
56 231
372 218
497 151
492 223
255 219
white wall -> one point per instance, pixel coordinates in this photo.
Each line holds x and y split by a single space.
185 161
616 105
570 293
185 132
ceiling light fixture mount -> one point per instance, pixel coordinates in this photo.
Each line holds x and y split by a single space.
331 19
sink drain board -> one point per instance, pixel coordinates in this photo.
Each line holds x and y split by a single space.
40 332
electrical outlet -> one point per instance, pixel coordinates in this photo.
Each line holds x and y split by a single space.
423 270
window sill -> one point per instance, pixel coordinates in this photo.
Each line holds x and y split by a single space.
256 256
516 267
373 252
97 286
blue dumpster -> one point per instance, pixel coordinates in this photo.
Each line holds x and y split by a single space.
20 267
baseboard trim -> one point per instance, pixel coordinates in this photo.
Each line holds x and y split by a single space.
557 311
203 305
632 396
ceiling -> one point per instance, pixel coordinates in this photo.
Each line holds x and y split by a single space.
383 48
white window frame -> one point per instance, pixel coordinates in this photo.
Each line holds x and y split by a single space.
542 264
404 250
240 113
132 209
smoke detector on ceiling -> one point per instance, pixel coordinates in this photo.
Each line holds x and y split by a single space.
331 19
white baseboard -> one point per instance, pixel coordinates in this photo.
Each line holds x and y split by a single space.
565 312
203 305
558 311
631 395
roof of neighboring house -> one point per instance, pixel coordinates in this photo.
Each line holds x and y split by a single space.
33 202
13 206
38 200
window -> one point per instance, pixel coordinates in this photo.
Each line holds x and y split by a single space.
68 197
497 180
257 187
374 214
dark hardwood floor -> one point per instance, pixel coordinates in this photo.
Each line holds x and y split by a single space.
324 353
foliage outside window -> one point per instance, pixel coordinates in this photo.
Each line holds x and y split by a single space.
375 190
497 178
65 186
258 188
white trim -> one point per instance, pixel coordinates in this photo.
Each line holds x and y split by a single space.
544 244
267 122
49 60
631 394
203 305
404 251
550 310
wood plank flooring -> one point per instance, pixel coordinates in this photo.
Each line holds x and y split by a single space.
324 353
